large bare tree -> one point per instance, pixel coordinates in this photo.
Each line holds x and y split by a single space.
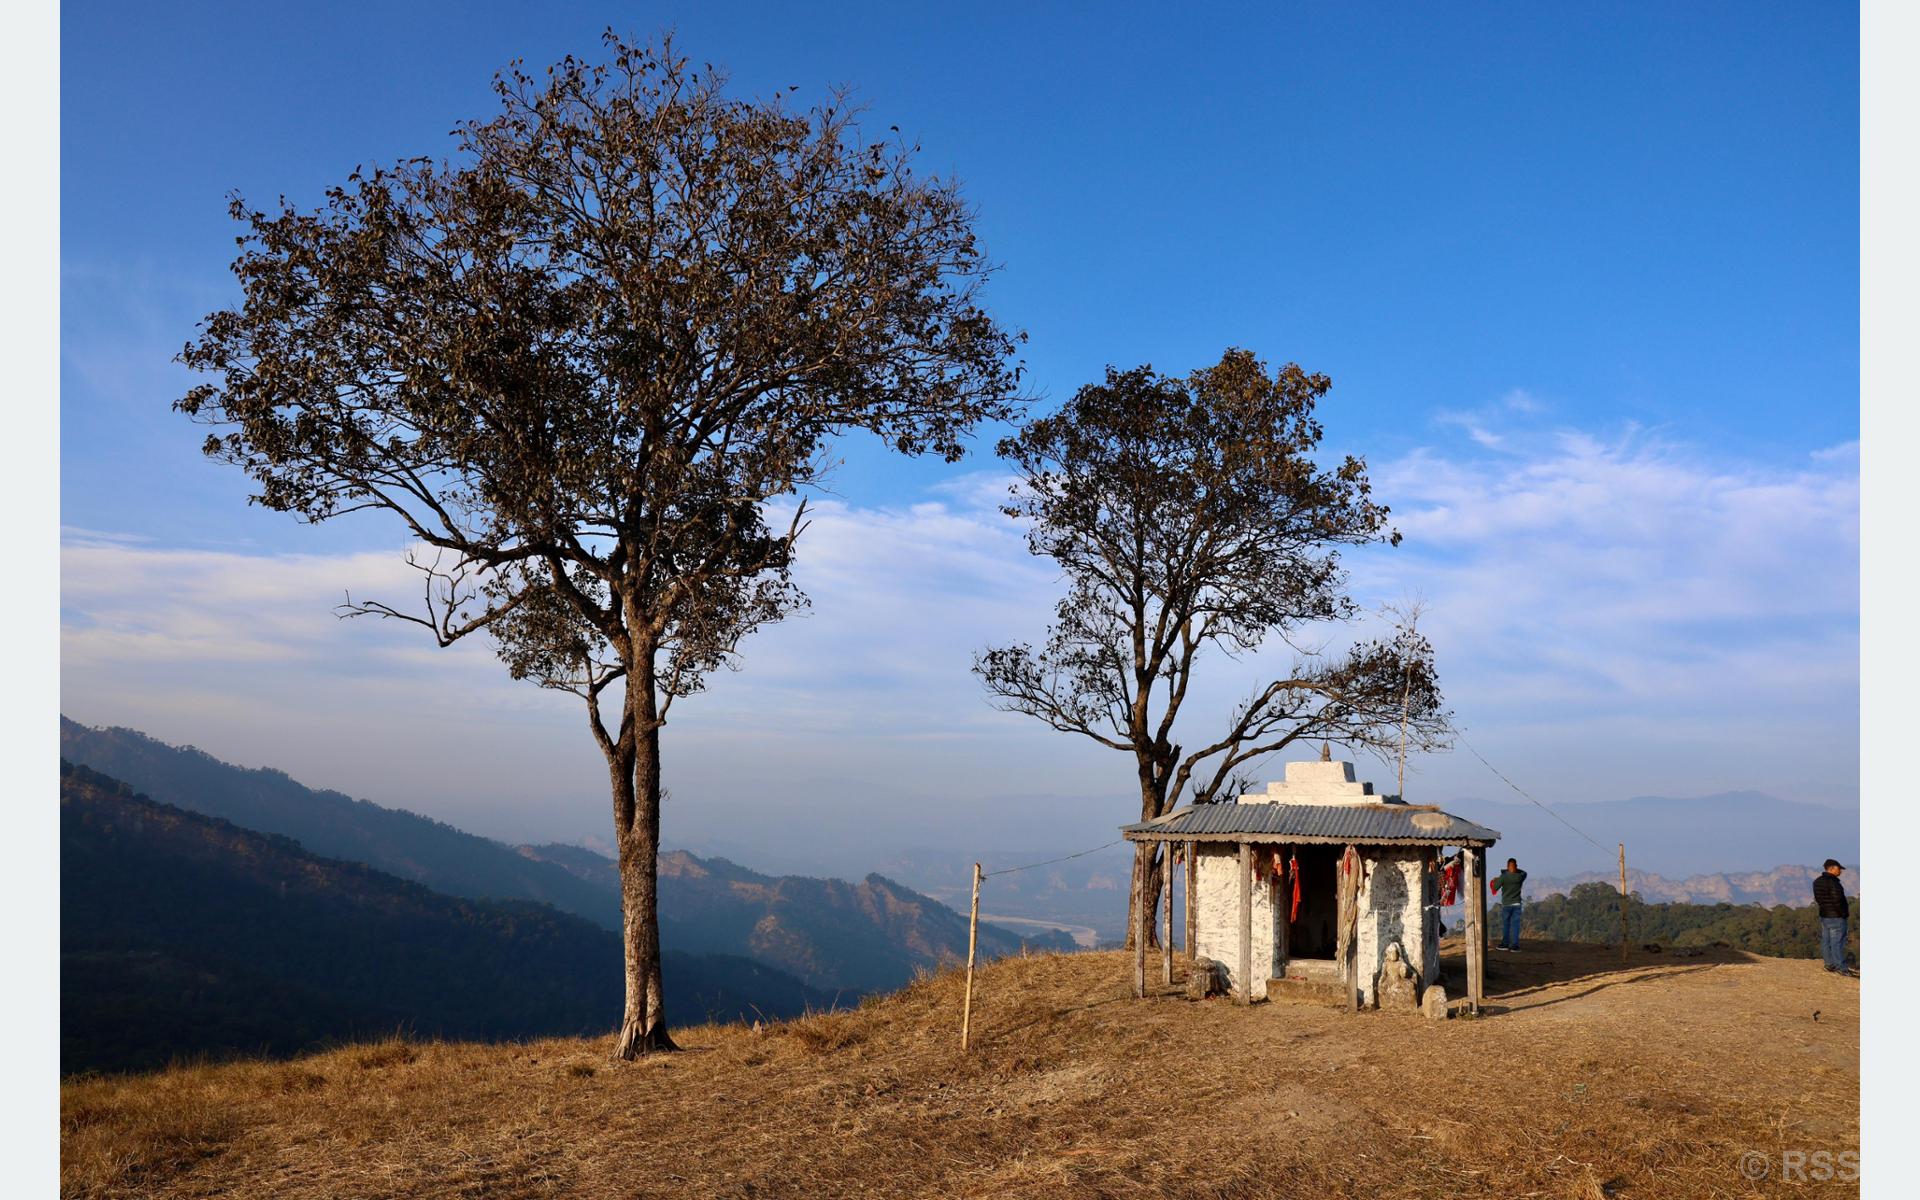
1190 514
579 358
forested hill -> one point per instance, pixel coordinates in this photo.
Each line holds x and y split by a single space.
331 824
185 935
1591 913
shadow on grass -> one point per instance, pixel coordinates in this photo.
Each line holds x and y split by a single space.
1541 967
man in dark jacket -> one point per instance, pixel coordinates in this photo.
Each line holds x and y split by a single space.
1507 883
1831 898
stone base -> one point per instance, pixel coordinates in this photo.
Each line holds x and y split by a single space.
1309 981
1205 979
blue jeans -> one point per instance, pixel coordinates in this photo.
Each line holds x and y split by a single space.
1510 926
1833 942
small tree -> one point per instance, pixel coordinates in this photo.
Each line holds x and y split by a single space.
1188 514
578 361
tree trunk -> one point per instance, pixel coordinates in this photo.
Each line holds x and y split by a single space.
1149 865
636 821
1149 869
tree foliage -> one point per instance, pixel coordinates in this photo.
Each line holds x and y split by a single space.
1590 912
578 359
1188 515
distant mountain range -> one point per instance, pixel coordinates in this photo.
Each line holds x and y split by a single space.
838 937
1700 849
1088 891
1676 837
829 933
1782 885
183 935
331 824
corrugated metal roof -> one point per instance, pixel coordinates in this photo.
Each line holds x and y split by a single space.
1395 823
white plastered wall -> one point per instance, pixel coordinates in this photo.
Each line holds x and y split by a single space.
1217 915
1393 903
1393 909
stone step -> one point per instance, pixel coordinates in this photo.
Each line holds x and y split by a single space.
1305 990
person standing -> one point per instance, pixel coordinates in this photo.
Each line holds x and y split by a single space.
1507 883
1830 896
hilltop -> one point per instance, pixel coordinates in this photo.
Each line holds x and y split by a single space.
1586 1079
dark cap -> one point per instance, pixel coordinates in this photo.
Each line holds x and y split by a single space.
1832 862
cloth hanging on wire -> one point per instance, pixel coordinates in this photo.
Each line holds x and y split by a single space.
1293 869
1351 869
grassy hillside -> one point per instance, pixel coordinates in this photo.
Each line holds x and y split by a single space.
184 935
1585 1080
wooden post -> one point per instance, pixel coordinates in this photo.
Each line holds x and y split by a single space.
1142 924
1347 917
1623 904
1245 969
973 932
1470 864
1485 925
1341 902
1282 933
1166 930
1193 886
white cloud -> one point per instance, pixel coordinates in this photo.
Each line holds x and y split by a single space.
1614 616
1603 603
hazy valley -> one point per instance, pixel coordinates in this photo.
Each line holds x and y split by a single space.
212 909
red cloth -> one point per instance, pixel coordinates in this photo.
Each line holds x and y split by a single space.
1293 869
1449 884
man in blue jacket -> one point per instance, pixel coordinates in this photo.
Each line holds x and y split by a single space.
1830 895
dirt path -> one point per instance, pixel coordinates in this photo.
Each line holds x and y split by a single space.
1584 1080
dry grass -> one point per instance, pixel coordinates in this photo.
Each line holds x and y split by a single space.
1587 1080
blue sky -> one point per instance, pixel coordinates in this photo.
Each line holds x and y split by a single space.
1586 281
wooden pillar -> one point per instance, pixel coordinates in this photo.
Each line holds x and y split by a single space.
1193 886
1142 923
1347 921
1282 934
1245 969
1166 928
1623 904
1485 925
1341 904
973 935
1476 905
